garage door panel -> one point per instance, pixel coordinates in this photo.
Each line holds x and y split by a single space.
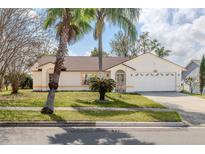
155 82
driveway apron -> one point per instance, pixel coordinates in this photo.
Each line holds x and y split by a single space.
191 108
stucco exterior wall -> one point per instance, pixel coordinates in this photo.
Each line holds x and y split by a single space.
147 63
130 87
67 81
144 64
37 80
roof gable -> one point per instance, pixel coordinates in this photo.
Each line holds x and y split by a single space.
192 66
155 56
167 61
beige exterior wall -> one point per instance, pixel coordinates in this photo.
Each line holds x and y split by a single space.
147 63
130 87
37 80
68 80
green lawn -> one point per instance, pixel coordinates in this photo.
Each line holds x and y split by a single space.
75 99
198 95
139 116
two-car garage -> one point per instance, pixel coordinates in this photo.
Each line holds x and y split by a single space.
148 72
155 81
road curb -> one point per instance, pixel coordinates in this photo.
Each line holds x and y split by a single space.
90 124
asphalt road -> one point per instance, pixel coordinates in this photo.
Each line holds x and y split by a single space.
92 136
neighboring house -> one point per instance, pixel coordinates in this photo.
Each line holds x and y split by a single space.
146 72
193 72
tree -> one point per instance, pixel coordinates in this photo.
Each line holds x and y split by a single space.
71 24
124 18
18 68
202 74
27 81
95 53
15 79
21 33
162 52
159 49
122 46
144 43
190 81
6 81
96 85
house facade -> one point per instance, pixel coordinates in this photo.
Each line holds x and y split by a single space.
193 72
146 72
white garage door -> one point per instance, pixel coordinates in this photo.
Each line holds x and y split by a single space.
155 81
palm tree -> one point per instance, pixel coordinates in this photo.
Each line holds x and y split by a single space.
71 24
159 49
162 52
124 18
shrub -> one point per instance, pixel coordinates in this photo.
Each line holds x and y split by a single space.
102 86
27 82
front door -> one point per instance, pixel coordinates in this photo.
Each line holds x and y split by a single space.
120 78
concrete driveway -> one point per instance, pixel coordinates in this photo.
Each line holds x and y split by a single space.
191 108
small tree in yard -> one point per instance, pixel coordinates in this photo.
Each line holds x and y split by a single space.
102 86
27 82
6 81
190 82
202 74
15 79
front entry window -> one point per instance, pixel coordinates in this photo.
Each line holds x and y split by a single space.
120 78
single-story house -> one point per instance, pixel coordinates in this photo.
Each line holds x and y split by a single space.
193 72
146 72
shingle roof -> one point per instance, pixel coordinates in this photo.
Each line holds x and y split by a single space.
83 63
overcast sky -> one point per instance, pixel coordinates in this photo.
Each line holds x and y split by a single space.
180 30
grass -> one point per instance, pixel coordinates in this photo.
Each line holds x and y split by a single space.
130 116
28 98
192 94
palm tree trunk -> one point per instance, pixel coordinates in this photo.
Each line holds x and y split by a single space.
100 55
53 84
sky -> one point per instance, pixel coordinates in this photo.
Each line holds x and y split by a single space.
180 30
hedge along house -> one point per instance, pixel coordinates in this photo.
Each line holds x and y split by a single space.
146 72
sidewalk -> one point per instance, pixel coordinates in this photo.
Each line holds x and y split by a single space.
88 123
87 109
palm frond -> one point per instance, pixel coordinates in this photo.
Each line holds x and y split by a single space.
77 21
125 19
52 16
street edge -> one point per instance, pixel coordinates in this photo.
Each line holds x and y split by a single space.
90 124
